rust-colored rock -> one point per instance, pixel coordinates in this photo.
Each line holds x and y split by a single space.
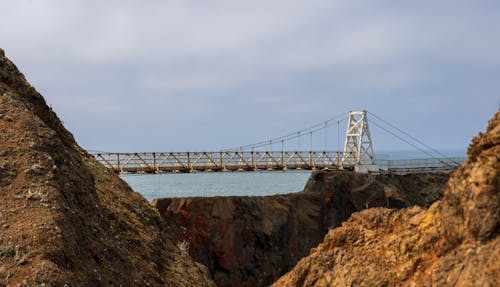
66 221
252 241
453 243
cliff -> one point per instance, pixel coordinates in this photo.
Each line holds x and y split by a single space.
252 241
66 221
453 243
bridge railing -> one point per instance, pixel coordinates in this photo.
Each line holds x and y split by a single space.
153 162
421 165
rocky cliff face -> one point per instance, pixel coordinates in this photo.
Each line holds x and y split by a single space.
251 241
66 221
453 243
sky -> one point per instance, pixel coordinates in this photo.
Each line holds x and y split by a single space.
206 75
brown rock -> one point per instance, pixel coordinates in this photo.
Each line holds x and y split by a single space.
86 226
251 241
453 243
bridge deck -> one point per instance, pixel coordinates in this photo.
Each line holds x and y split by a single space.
157 162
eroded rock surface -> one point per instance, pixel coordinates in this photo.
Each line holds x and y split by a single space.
453 243
66 221
252 241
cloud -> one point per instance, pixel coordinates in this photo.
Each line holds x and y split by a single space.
269 66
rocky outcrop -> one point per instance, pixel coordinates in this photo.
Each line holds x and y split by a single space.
453 243
252 241
66 221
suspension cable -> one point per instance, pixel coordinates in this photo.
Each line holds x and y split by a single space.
311 141
407 134
338 135
404 140
297 134
412 137
326 136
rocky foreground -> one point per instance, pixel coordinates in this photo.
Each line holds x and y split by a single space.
66 221
453 243
252 241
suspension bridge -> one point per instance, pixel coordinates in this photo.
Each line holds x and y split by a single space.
357 153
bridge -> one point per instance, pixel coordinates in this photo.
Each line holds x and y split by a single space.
158 162
357 154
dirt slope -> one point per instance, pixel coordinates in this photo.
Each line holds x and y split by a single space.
252 241
63 218
453 243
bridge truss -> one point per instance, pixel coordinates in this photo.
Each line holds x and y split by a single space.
153 162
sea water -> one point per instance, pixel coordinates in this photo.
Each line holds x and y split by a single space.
238 183
235 183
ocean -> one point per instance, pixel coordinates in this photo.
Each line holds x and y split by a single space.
239 183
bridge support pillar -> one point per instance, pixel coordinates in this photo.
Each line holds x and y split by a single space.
358 148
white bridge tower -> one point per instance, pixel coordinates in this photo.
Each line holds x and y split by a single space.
358 148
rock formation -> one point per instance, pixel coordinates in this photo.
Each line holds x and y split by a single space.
453 243
65 220
252 241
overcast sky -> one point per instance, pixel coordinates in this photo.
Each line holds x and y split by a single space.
205 75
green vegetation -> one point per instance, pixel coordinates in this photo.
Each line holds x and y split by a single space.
9 252
100 179
154 209
95 228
